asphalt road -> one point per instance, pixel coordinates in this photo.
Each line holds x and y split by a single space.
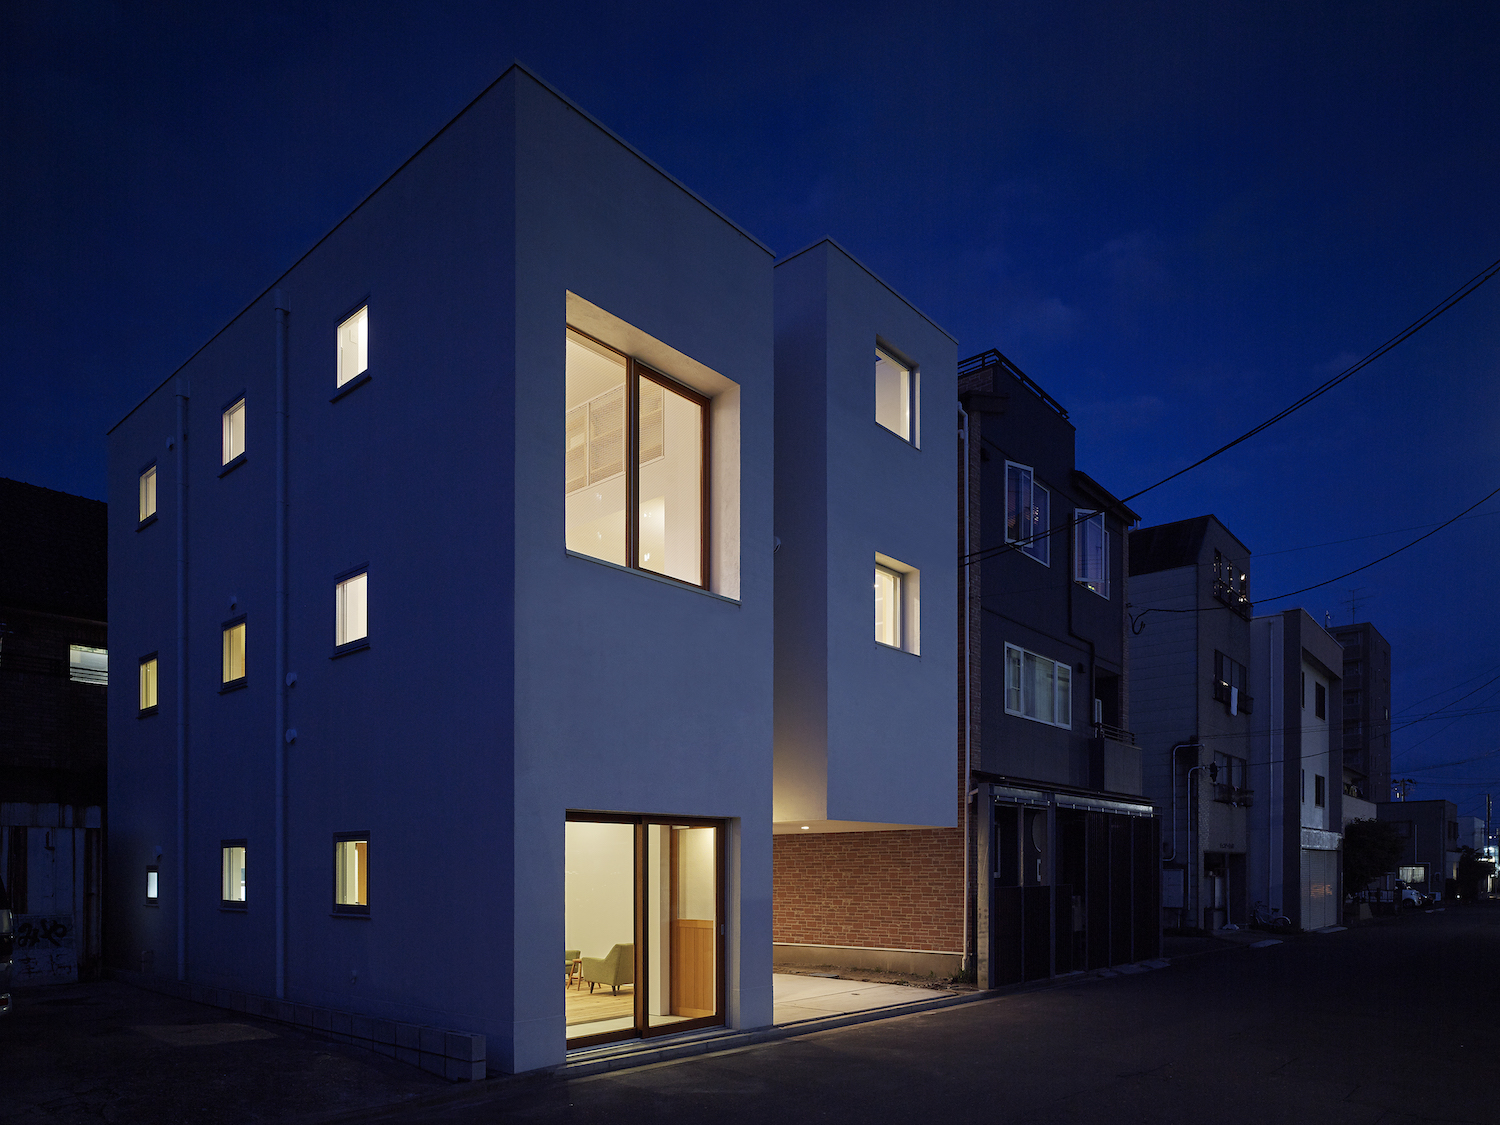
1388 1023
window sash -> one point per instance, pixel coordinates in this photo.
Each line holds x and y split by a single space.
646 442
354 346
1028 513
148 684
234 652
1038 687
148 494
351 863
351 609
888 624
234 431
1091 553
895 384
232 886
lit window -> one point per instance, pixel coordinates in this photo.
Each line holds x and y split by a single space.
234 651
151 886
354 346
1027 512
634 442
895 396
88 665
148 684
148 494
1091 554
234 431
1038 688
351 874
351 622
234 872
897 604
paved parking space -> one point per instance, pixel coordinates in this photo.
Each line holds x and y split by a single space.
807 997
109 1052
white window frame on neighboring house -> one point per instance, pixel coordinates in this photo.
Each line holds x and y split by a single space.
1021 700
1026 519
1091 551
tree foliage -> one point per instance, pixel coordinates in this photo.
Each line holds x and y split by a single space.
1371 848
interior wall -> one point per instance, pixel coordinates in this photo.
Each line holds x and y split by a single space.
600 887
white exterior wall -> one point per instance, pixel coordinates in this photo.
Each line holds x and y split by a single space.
1314 761
506 682
1267 776
866 734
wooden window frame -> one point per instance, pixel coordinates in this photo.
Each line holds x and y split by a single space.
642 984
635 371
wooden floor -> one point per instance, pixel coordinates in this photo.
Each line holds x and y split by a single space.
601 1005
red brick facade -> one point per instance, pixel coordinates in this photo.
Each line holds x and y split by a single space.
884 890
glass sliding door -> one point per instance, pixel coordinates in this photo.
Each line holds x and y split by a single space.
661 881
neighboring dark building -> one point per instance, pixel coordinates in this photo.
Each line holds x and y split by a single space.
1296 826
53 673
1067 844
1191 709
1430 829
1367 711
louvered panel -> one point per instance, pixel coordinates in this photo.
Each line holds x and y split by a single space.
653 421
607 435
576 469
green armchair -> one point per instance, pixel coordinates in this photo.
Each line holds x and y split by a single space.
571 956
614 969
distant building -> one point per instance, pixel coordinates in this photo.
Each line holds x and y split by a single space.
1193 710
54 670
1430 829
1296 826
1367 717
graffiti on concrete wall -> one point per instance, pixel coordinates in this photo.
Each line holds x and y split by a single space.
44 950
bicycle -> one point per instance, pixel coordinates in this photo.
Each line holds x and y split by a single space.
1268 917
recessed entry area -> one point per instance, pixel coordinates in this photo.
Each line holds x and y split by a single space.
644 907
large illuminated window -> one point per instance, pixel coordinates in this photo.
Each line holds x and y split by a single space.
895 396
232 884
1038 688
897 604
147 685
234 652
354 346
351 874
147 507
635 443
351 622
234 431
1027 510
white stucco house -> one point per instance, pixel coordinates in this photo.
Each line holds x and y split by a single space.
442 590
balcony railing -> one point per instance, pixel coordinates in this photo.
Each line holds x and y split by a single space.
1114 734
1235 795
1234 599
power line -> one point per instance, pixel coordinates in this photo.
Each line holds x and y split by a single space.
1323 388
1317 392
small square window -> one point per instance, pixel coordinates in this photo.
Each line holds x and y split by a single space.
147 678
350 616
351 874
354 346
88 665
234 431
233 884
152 885
148 493
895 396
234 651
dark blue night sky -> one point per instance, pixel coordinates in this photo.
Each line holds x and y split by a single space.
1177 218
